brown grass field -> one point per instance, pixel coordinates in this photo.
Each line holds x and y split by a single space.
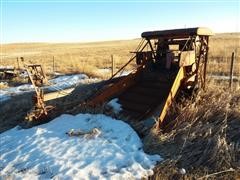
89 57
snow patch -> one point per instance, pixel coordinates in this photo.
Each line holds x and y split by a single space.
6 67
59 83
115 105
46 151
68 81
125 73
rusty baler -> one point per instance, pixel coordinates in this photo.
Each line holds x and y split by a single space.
168 62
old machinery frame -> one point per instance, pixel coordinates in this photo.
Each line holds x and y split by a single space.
168 62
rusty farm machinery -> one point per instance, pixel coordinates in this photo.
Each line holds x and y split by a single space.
38 78
7 73
168 62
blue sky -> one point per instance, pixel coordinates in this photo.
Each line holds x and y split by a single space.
78 21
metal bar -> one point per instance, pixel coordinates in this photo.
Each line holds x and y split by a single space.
112 60
127 63
185 44
198 59
174 89
111 91
150 44
32 81
205 65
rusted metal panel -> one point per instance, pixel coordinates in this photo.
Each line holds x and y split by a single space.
36 74
175 88
114 89
38 78
57 94
173 33
8 73
187 58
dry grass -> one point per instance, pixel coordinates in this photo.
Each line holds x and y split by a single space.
89 57
202 136
220 51
72 58
3 85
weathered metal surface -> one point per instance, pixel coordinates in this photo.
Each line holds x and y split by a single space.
187 58
173 33
38 78
57 94
171 96
114 89
36 74
8 73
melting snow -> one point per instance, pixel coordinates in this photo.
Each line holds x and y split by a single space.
6 67
46 151
115 105
61 82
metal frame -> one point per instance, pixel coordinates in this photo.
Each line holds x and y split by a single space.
38 78
193 39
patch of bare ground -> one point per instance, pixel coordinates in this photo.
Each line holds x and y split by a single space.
203 138
14 110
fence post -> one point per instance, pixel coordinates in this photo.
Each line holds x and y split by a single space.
112 60
231 72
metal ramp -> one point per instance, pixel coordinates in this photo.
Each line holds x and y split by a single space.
140 100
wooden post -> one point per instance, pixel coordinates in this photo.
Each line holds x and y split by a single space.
112 65
231 72
53 65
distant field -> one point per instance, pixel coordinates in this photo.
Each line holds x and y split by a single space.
90 57
71 57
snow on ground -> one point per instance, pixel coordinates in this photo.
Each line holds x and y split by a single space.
125 72
8 92
4 98
61 82
67 81
115 105
6 67
46 151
